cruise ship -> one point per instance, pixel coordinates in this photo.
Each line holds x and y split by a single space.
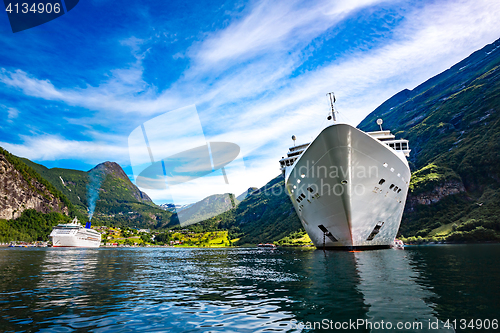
74 235
349 187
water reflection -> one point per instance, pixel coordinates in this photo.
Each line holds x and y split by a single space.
239 290
390 288
464 280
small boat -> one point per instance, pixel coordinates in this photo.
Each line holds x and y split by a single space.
267 245
398 244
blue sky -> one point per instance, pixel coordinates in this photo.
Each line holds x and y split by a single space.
72 90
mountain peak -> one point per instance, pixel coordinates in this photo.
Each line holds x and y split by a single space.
115 170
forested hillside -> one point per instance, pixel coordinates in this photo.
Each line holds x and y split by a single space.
120 202
453 124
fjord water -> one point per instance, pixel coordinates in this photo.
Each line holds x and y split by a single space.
244 289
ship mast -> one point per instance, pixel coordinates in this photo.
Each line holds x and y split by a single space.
331 97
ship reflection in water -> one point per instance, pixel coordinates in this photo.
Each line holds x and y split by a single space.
245 290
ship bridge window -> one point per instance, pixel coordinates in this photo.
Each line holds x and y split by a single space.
391 145
404 145
381 181
398 145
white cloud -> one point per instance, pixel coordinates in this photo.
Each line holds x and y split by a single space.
51 147
274 25
12 113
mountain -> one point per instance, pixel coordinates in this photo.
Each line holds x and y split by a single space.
120 202
171 207
453 124
29 205
266 215
245 194
210 206
22 188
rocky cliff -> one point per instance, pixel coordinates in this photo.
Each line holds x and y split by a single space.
435 195
21 189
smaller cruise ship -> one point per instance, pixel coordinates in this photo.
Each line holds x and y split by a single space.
73 234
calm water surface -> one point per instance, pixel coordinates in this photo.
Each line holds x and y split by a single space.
246 290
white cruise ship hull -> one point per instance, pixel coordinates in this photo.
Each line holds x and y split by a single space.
78 238
349 189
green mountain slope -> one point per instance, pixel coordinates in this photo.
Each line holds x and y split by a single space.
453 124
120 202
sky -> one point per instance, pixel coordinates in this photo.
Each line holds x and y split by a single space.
73 90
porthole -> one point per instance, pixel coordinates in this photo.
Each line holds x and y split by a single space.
391 187
399 190
343 182
381 181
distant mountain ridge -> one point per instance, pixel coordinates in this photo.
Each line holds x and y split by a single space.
265 215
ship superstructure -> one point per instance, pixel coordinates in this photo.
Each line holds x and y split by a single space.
74 235
349 187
